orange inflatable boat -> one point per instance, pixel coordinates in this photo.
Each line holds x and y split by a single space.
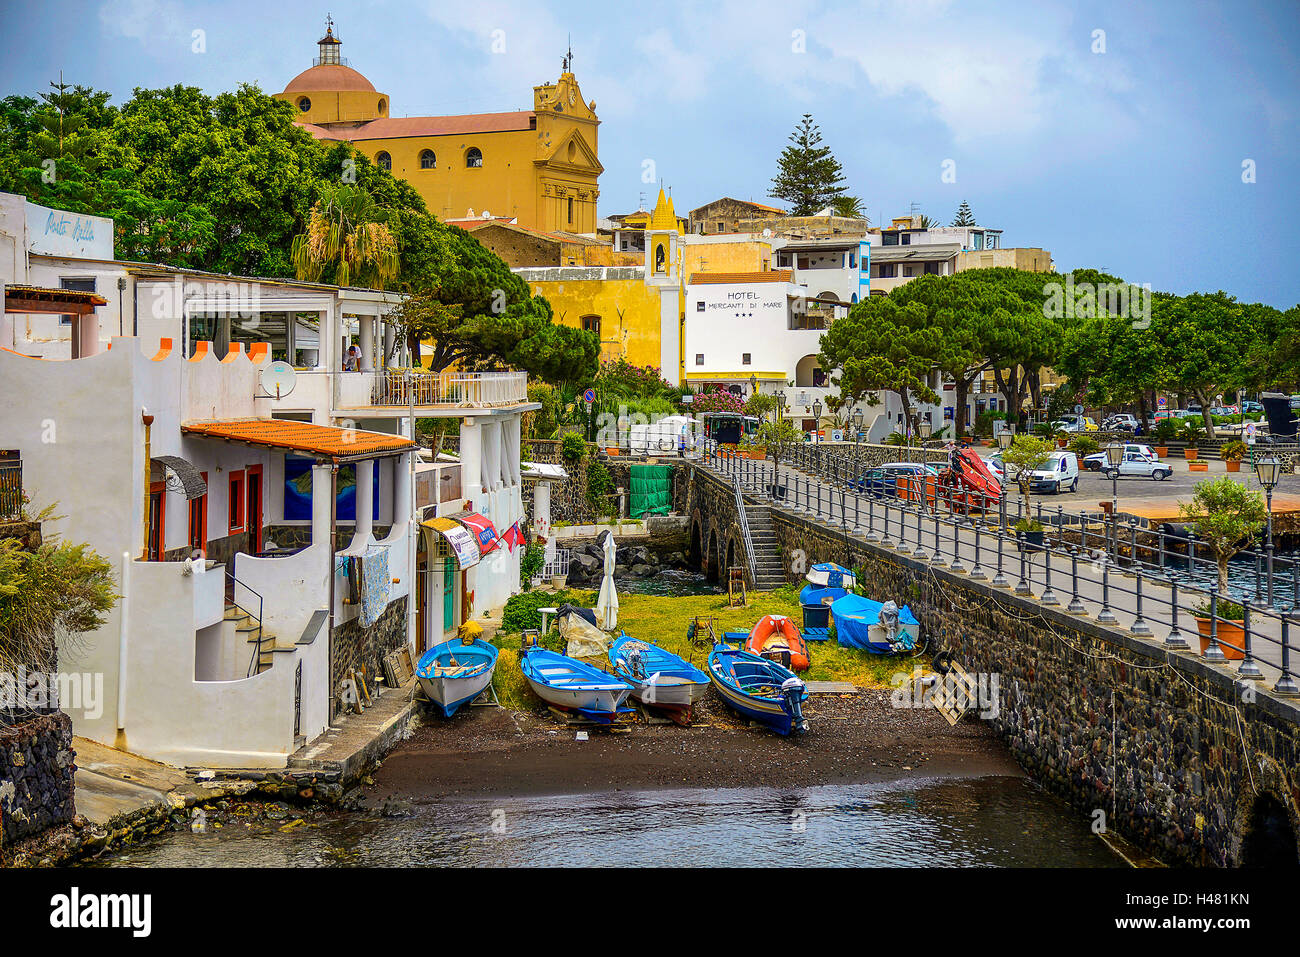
775 634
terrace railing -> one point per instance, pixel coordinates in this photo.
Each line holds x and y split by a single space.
458 389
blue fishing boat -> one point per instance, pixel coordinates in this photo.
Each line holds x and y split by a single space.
658 677
454 672
574 685
859 623
759 688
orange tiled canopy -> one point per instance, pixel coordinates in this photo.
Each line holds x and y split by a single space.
303 437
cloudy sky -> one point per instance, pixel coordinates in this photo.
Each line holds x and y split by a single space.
1114 134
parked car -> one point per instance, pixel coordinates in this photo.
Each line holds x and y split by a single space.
994 464
1075 423
882 481
1059 474
1136 463
1122 422
1097 461
1251 407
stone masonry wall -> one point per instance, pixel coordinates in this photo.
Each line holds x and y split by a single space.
1164 744
355 647
36 770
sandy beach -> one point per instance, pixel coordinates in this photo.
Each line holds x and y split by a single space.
856 738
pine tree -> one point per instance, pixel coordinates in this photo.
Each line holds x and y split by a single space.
808 177
964 216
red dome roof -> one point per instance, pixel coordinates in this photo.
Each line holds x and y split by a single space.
329 77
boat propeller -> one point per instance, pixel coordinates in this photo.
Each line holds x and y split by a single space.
792 692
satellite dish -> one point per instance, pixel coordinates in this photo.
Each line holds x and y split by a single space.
278 379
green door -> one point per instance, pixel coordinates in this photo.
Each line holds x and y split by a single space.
448 594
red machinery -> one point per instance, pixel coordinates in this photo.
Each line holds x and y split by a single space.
967 484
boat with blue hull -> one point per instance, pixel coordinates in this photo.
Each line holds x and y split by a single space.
759 688
658 677
574 685
455 672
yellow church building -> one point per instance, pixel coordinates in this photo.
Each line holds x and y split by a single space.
538 166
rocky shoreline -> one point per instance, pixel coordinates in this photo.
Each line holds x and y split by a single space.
587 563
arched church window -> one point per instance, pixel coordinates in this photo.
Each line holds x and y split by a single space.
382 106
385 161
473 158
428 160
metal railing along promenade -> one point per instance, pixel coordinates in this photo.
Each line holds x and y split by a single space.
1150 583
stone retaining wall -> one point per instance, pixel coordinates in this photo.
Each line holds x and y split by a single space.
36 770
356 647
1162 748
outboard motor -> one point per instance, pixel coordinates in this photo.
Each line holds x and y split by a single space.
889 619
636 663
792 692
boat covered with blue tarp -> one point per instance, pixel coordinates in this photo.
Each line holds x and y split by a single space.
858 624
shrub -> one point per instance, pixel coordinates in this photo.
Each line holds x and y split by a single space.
600 484
521 610
1164 431
572 448
1193 432
1227 609
530 564
1226 517
721 401
760 404
1082 445
1233 451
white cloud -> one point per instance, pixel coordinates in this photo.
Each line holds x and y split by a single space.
145 20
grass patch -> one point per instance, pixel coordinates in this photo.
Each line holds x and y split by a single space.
663 619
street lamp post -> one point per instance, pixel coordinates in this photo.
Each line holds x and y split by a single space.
1268 469
856 419
817 419
1114 456
780 404
1005 438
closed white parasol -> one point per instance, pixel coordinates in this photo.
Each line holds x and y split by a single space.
607 604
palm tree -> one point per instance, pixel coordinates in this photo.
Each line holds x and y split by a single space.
348 230
927 222
850 207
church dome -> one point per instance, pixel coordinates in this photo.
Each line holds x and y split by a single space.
329 77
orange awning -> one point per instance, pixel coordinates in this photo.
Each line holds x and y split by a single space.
324 440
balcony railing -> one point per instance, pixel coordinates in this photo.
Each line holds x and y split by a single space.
459 389
11 488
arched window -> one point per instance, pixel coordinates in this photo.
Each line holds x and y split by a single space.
428 160
385 161
382 106
304 103
473 157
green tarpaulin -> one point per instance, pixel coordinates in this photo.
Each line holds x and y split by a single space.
652 490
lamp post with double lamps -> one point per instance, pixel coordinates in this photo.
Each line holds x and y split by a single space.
1268 470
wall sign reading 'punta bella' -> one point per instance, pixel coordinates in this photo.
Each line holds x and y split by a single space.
55 232
537 166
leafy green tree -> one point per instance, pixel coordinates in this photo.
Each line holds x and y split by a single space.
1226 517
808 177
1027 454
964 216
883 345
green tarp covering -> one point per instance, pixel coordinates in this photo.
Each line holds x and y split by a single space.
652 490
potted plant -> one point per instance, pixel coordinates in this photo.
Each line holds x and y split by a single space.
1062 439
1027 454
1231 630
1164 431
753 447
1030 534
1082 445
1193 432
1226 516
1232 453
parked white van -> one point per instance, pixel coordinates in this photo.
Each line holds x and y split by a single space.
1059 474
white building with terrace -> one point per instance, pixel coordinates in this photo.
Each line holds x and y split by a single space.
275 530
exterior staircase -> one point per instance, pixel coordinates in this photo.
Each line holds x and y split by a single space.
262 642
769 570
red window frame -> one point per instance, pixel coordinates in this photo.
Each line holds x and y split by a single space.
237 488
199 509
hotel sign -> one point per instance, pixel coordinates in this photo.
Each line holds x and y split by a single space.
57 232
